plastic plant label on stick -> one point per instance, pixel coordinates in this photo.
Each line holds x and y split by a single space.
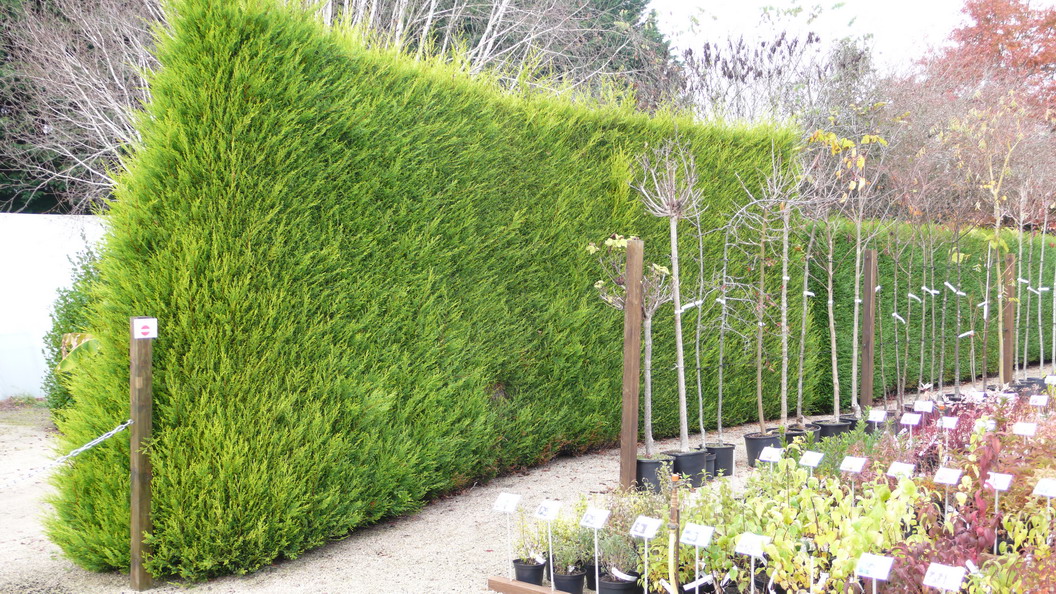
948 422
548 510
911 419
771 454
986 424
751 544
811 459
877 416
1045 488
594 518
944 577
645 527
948 476
900 470
923 406
1025 429
999 481
1050 380
695 535
1039 400
852 464
877 567
506 503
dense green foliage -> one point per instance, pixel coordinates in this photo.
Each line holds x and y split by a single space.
372 288
69 314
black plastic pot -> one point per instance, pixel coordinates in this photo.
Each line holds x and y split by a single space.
528 571
755 442
647 472
572 582
690 465
789 435
833 428
611 585
589 570
853 420
723 458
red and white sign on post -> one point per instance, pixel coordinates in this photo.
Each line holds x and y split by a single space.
145 328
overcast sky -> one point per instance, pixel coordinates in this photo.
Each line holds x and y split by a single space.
902 30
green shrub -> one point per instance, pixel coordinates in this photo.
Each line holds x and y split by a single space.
370 278
69 314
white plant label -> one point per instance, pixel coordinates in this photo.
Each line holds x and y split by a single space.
506 503
999 481
548 510
594 518
616 573
948 422
1025 429
1039 400
703 581
145 328
987 424
852 464
923 406
877 416
948 476
811 459
1045 488
1050 380
751 544
877 567
977 396
900 469
645 527
1007 396
666 585
771 454
695 535
944 577
911 419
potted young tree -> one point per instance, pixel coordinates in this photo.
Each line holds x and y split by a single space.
530 564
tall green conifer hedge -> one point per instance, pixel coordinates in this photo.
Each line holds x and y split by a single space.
372 288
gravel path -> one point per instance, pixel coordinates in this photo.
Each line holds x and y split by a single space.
452 545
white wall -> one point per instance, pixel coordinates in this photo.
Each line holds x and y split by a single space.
36 253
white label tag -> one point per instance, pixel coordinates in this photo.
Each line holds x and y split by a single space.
944 577
616 573
645 527
923 406
667 586
948 476
1007 396
811 459
948 422
1025 429
771 454
877 416
751 544
695 535
1050 380
910 419
900 469
852 464
986 424
145 328
506 503
1039 400
1045 488
701 582
999 481
594 518
977 396
877 567
548 510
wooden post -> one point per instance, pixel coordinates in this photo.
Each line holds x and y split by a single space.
141 349
869 328
1008 285
632 359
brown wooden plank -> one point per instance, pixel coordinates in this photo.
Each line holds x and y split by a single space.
140 387
869 328
508 586
632 359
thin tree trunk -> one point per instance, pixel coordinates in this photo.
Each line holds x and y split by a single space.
647 400
803 328
986 315
957 340
1041 286
759 309
942 325
787 223
855 406
1019 292
1030 302
700 328
830 308
680 366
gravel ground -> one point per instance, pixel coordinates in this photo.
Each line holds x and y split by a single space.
452 545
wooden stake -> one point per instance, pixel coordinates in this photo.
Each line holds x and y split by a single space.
140 355
1008 285
869 328
632 340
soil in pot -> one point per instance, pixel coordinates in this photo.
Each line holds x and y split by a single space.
833 428
690 465
611 585
723 458
571 582
648 470
755 442
528 571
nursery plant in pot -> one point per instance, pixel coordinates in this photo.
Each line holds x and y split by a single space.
668 189
530 564
573 546
723 451
619 561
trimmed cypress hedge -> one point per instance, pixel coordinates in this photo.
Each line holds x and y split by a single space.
372 288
